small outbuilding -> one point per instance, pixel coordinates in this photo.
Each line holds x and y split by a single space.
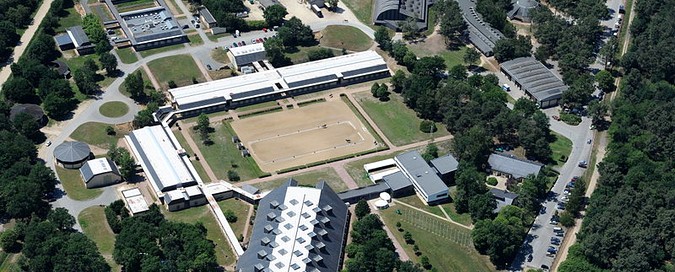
503 198
207 19
99 173
61 68
32 110
72 155
445 166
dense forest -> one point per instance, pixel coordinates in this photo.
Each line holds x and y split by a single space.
629 223
14 15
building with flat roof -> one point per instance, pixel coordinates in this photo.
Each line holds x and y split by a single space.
165 165
427 183
100 172
297 229
150 27
391 13
513 167
268 3
183 198
538 82
445 166
135 201
277 83
246 54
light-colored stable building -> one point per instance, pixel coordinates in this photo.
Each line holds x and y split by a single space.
426 181
277 83
166 165
100 172
246 54
297 229
183 198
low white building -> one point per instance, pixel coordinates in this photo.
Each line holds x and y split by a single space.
246 54
100 172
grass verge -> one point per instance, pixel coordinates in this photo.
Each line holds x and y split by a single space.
224 254
362 9
308 179
127 55
195 40
451 57
74 186
347 37
94 225
399 123
300 56
114 109
431 234
180 68
158 50
240 209
561 147
220 55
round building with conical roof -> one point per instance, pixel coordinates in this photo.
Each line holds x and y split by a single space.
521 10
72 154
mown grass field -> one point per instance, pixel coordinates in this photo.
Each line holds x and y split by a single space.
180 68
561 147
114 109
224 254
362 9
74 185
94 133
162 49
94 225
448 247
309 179
127 55
399 123
197 165
347 37
240 209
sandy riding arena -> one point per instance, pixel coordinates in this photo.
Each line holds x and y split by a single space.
304 135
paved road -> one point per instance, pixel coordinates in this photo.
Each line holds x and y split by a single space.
25 39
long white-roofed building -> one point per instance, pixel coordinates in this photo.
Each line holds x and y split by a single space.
278 83
165 163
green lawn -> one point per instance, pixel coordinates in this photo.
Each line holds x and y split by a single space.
222 154
561 147
135 5
95 226
432 234
362 9
162 49
195 40
210 115
127 55
9 262
74 186
214 38
180 68
114 109
202 214
68 18
309 179
77 62
451 58
347 37
240 209
220 55
93 133
197 165
399 123
300 56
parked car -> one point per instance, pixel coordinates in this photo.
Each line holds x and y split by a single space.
529 258
243 42
264 29
260 40
208 66
555 242
48 143
583 164
254 41
545 267
556 117
240 43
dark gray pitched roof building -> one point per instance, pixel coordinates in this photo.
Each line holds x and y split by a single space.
503 198
481 34
78 36
536 80
31 109
517 168
72 152
206 14
425 180
521 10
391 12
297 229
98 166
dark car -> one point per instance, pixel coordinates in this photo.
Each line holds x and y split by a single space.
545 267
243 42
234 44
529 258
208 66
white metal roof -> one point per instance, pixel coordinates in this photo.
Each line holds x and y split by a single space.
99 166
379 164
135 200
247 49
290 77
377 176
160 158
131 192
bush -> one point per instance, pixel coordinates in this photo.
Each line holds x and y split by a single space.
113 220
110 130
492 181
570 119
407 236
424 261
8 241
362 209
566 219
256 24
172 84
233 175
230 216
428 126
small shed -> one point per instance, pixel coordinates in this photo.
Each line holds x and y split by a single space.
61 68
503 198
72 155
100 172
31 109
64 42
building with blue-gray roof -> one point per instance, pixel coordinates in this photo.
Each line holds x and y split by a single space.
424 179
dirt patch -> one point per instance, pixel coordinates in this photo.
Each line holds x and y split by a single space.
289 138
433 44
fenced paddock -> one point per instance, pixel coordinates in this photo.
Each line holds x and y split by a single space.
301 136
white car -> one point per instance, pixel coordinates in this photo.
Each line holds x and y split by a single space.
48 143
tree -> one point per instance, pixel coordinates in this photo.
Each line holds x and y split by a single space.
333 4
407 236
321 53
471 56
85 81
58 107
566 219
509 48
598 111
274 15
274 49
126 164
429 66
19 90
172 84
294 33
109 63
26 125
134 85
233 175
409 266
452 25
457 72
62 219
362 209
424 261
230 216
431 152
110 130
525 107
203 126
374 89
605 81
473 146
409 28
383 38
481 206
398 80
